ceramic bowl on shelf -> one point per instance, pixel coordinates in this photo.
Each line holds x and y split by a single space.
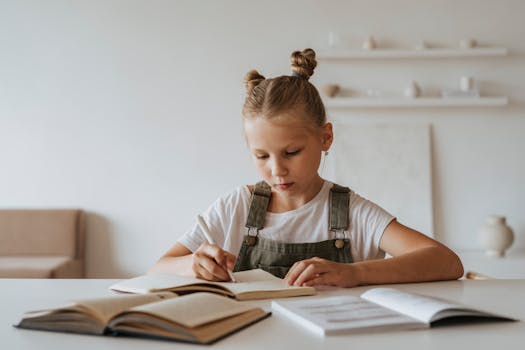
331 90
468 43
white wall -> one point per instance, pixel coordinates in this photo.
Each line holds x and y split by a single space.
131 109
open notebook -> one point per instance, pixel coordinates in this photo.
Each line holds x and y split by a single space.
378 309
251 284
198 317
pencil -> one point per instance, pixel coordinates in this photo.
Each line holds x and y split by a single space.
209 238
472 275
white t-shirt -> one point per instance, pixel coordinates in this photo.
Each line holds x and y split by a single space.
226 219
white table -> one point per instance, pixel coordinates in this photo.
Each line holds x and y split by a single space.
502 296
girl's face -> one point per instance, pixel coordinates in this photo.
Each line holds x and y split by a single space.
287 152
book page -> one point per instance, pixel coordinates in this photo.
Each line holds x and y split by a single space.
105 308
195 309
88 316
420 307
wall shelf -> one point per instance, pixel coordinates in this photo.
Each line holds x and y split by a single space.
422 53
382 102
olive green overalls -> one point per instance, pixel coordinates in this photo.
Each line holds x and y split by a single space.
278 257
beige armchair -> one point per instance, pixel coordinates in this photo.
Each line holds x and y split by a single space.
42 243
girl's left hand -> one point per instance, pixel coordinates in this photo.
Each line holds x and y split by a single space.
317 271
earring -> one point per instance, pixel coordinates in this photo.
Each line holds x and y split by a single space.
325 153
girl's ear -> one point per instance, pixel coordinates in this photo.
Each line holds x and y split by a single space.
327 136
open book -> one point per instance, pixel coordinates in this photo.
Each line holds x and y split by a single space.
377 309
199 317
251 284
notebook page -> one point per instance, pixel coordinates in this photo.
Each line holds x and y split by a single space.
257 282
342 314
417 306
154 282
256 275
248 281
254 280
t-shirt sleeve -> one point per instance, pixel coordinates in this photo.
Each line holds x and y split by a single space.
217 218
194 237
368 221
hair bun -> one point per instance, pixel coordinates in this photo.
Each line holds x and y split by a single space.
252 79
303 62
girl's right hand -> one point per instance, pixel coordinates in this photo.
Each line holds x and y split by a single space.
211 263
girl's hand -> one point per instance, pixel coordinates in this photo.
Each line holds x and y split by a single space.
211 263
317 271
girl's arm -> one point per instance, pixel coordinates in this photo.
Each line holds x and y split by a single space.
209 262
415 258
178 259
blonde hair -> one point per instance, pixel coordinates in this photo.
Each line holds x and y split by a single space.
271 97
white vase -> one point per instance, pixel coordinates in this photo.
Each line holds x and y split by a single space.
466 83
422 45
495 236
412 90
468 43
369 43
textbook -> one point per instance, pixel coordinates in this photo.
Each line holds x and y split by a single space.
378 309
197 318
251 284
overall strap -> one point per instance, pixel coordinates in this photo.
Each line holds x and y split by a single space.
339 208
261 195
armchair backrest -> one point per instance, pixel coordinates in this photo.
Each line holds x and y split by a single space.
42 232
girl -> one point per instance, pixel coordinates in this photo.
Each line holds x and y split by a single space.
295 224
